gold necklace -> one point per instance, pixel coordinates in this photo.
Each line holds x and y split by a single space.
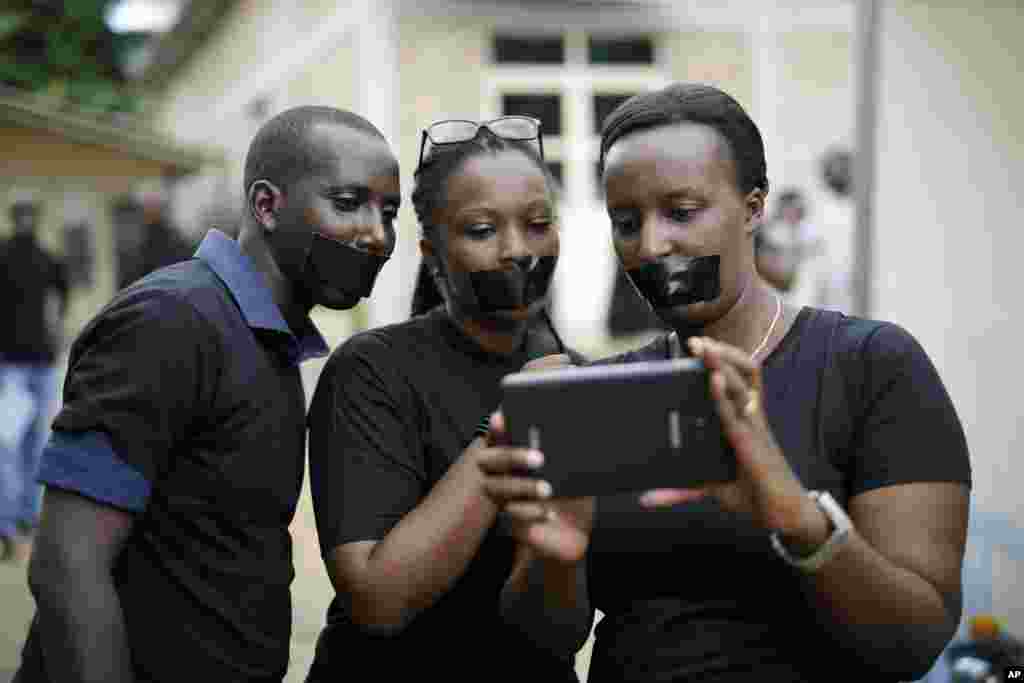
676 347
771 328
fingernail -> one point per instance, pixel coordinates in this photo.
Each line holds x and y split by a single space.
534 459
648 498
544 489
695 345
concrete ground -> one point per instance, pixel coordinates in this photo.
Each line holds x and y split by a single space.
311 590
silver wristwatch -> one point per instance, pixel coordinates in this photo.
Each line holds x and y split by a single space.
841 525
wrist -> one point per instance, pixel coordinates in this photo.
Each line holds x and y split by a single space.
812 531
814 554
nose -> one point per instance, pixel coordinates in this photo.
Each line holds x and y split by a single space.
375 236
654 243
514 247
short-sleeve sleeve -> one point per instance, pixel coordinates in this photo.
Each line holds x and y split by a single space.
138 378
367 466
909 430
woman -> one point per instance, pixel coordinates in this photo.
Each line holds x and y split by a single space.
408 534
757 578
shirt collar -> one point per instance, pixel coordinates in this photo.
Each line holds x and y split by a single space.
236 270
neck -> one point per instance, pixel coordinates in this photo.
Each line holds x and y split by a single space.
750 318
253 243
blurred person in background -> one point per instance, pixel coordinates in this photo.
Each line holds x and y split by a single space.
33 301
840 544
146 238
785 246
399 431
835 289
176 462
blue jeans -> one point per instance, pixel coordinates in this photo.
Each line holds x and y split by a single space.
19 493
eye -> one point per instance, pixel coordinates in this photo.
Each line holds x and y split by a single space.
625 224
682 214
345 203
540 225
480 231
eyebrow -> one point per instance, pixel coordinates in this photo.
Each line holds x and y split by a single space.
537 204
361 190
685 192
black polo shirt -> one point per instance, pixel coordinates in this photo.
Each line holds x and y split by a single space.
184 404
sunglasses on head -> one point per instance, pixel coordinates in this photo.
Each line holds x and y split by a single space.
454 131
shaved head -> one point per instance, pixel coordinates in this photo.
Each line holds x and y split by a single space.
283 151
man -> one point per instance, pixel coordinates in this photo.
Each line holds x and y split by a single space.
177 460
149 241
34 297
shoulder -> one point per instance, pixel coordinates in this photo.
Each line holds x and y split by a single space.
873 341
381 352
382 343
172 302
878 358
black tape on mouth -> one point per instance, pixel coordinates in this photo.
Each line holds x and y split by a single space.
344 267
691 282
497 290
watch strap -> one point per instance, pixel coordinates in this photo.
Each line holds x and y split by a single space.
841 525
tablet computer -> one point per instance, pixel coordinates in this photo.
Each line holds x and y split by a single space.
608 429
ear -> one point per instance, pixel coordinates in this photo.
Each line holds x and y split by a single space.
755 203
265 201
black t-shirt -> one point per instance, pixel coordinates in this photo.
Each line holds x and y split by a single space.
696 593
27 274
190 411
394 408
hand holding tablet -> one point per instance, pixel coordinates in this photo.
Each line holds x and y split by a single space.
608 429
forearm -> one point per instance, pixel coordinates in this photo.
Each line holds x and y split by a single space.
547 600
426 552
82 630
893 616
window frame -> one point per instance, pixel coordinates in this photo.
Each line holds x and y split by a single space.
576 81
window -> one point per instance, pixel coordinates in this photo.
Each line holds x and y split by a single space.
529 50
605 104
547 108
636 50
571 83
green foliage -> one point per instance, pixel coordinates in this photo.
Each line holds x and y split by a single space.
65 50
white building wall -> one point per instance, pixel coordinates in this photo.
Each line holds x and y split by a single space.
948 238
